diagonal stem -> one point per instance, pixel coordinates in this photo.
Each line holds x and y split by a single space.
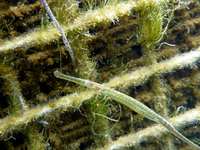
60 29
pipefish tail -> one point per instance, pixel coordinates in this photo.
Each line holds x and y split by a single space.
130 102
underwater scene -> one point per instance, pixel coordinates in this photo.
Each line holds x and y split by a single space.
99 75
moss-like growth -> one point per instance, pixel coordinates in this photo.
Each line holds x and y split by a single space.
85 66
13 90
97 110
35 139
151 15
102 16
18 105
65 11
120 50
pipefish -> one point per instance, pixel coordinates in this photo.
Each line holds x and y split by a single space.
129 102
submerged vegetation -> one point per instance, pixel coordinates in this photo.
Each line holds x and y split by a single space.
146 49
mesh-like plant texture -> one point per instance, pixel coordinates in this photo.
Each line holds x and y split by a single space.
120 43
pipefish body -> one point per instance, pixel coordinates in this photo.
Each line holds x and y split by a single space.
130 102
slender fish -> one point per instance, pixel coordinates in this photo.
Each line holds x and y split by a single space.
130 102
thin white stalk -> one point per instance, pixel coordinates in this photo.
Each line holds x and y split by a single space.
60 29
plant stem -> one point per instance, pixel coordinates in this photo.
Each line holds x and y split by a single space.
60 29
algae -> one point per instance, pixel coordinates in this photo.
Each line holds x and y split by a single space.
120 43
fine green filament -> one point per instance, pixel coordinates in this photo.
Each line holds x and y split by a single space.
128 101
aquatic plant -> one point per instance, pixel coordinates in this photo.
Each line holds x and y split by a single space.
144 49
